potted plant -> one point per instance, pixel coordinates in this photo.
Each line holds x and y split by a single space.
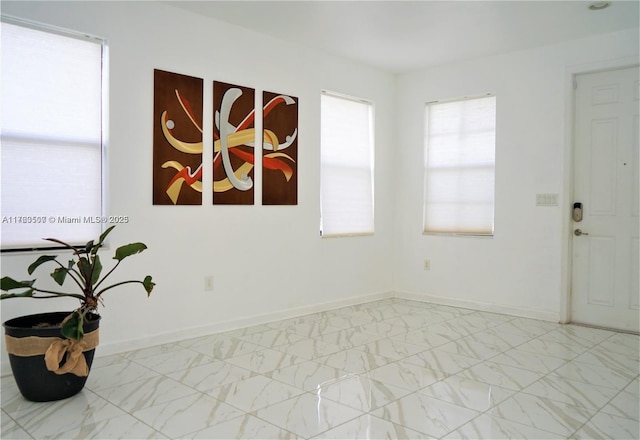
51 353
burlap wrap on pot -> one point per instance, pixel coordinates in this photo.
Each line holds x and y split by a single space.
54 350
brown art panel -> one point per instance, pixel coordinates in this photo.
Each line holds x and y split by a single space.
177 139
234 144
280 149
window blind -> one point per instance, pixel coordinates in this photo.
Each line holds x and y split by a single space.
51 121
346 166
459 191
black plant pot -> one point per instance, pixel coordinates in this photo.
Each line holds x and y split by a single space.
34 381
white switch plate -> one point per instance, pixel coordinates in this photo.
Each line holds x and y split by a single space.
547 199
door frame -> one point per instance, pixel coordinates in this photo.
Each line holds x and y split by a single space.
569 154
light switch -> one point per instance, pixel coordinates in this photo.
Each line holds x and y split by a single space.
547 199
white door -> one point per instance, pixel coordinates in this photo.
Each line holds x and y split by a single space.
605 290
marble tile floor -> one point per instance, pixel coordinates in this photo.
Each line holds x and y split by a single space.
390 369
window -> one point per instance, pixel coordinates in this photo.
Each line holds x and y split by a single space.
52 135
346 173
460 166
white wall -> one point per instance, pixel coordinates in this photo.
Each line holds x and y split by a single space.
522 269
266 261
286 268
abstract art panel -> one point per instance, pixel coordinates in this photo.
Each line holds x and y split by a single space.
280 149
234 144
177 139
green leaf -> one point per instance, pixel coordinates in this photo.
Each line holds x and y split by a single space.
59 275
127 250
8 283
72 327
148 284
26 294
66 245
85 268
97 269
42 259
88 247
104 235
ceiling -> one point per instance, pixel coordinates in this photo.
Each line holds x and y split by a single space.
400 36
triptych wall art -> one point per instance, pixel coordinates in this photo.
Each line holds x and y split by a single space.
178 143
177 139
280 149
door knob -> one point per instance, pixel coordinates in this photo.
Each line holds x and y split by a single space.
578 233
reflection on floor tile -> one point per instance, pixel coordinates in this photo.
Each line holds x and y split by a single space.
426 414
361 392
385 369
370 427
307 415
309 376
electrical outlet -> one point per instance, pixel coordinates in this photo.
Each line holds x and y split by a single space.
208 283
427 265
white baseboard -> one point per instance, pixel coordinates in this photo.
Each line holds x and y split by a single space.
481 306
